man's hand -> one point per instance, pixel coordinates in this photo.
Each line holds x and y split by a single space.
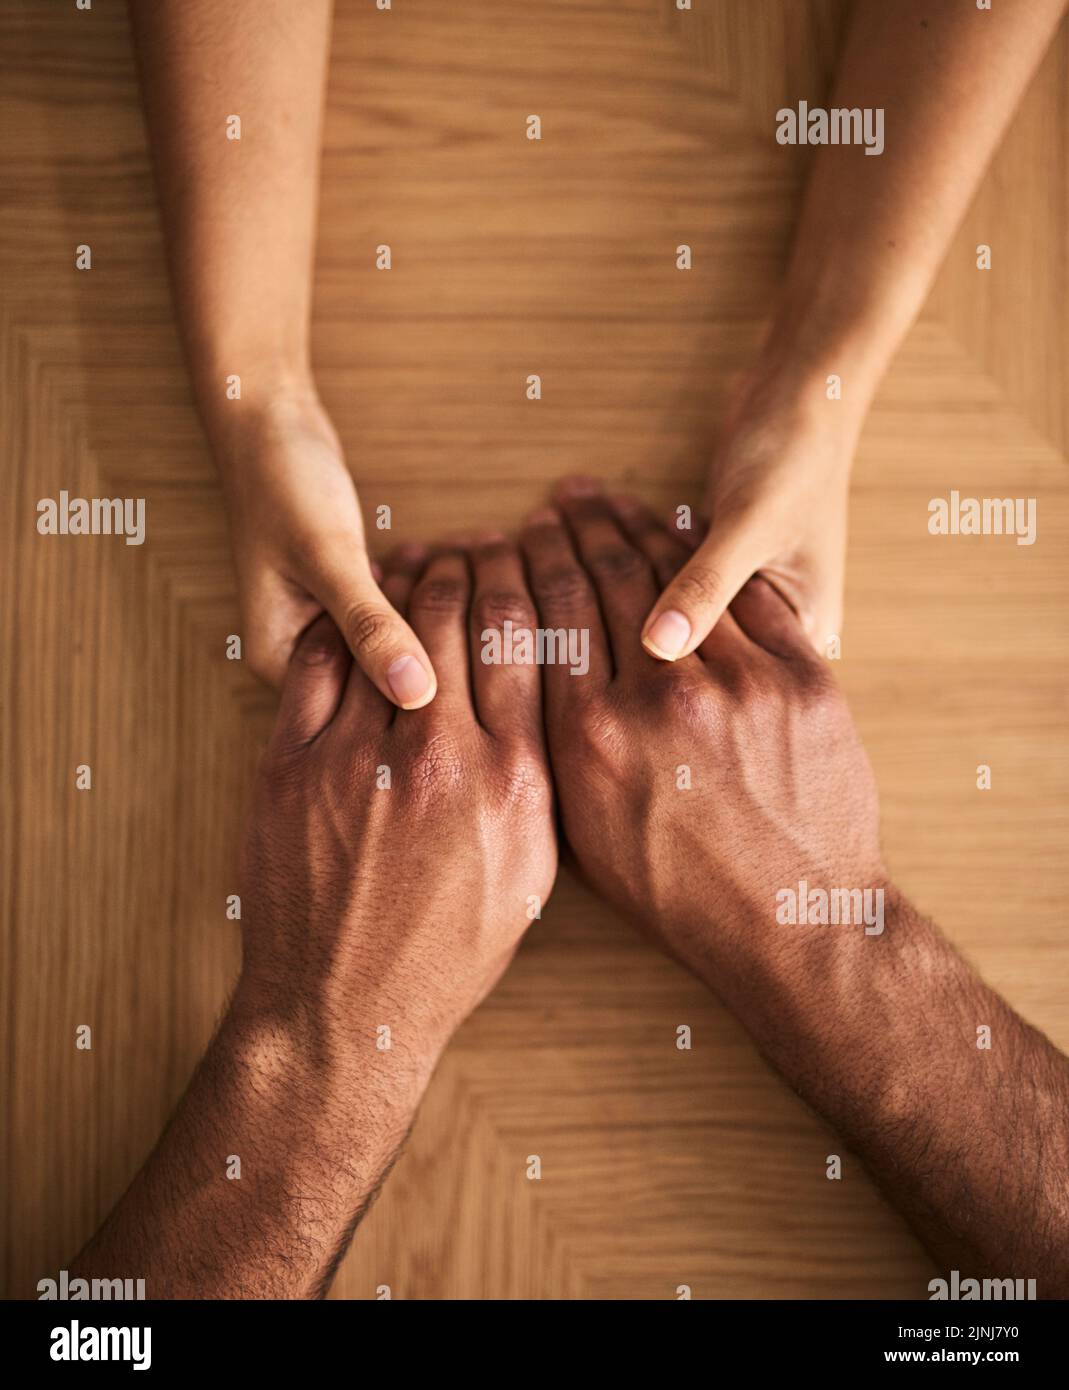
393 860
722 801
692 792
392 863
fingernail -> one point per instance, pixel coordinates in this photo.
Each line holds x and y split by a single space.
543 516
408 681
669 634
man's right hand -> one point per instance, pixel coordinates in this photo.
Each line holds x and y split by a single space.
394 859
391 865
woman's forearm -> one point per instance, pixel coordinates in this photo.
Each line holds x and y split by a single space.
234 97
873 229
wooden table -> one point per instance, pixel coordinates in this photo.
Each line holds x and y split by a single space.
659 1167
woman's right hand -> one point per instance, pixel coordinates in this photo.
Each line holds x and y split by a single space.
300 551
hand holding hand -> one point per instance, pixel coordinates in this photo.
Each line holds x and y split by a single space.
692 792
392 858
776 504
299 550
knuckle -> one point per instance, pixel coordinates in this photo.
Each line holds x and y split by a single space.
699 584
496 549
441 595
618 562
527 784
598 741
565 585
638 520
750 690
495 607
680 694
367 628
815 682
435 768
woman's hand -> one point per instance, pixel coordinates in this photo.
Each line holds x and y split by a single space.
777 506
299 550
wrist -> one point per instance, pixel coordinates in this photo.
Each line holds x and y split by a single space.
817 333
271 408
779 945
352 1065
815 996
793 386
311 1129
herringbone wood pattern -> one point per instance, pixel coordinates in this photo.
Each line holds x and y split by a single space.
660 1167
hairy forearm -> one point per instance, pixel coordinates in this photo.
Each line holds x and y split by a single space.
239 213
275 1152
873 229
880 1035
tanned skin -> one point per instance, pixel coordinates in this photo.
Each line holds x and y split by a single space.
364 906
877 1032
367 907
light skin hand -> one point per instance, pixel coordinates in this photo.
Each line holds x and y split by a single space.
775 504
299 550
878 1032
871 235
239 220
364 907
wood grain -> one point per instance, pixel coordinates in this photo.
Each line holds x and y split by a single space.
660 1167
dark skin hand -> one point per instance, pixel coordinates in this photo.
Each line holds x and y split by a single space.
368 907
365 907
877 1031
752 702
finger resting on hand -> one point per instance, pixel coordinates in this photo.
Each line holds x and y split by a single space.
504 648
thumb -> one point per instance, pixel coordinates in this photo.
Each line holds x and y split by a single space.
382 643
698 596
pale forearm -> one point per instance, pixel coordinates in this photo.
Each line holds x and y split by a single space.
884 1036
873 229
239 213
276 1150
